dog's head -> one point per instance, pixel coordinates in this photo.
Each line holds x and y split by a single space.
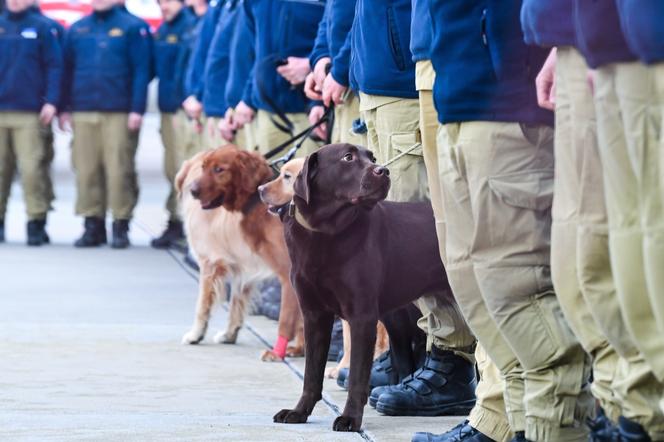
229 176
339 177
279 192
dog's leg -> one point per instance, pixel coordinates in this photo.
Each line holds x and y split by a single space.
363 339
240 297
345 359
318 332
382 340
209 272
290 317
297 349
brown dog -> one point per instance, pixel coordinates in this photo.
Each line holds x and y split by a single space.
232 234
278 193
359 257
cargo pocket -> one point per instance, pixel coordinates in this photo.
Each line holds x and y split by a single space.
408 143
406 164
532 189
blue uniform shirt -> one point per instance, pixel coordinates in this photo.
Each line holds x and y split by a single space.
282 28
548 23
169 43
107 66
194 80
217 65
643 26
30 62
421 33
241 59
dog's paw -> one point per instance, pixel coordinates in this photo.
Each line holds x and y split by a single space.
347 423
295 351
226 337
289 417
332 373
270 356
192 337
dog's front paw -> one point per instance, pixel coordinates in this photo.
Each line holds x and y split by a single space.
270 356
347 423
227 337
295 351
192 337
289 417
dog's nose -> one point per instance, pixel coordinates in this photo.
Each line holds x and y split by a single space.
195 190
261 190
380 170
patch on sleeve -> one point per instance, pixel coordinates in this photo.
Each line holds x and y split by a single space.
172 38
116 32
30 33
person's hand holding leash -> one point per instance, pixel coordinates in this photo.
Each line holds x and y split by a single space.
295 71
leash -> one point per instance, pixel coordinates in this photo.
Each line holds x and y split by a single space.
406 152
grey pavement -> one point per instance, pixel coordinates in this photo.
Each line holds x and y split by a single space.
90 341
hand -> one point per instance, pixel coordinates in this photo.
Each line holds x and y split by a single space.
243 114
333 91
192 107
225 128
315 114
590 76
320 72
211 126
546 83
310 89
134 121
295 71
64 121
47 113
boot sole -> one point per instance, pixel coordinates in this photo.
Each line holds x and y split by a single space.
456 409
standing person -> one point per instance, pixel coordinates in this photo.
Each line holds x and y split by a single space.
29 94
169 43
623 382
495 155
284 35
107 70
384 75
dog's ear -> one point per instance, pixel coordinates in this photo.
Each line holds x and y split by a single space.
252 170
303 182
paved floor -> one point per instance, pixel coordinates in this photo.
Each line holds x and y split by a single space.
90 342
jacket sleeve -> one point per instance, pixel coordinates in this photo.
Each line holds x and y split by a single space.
341 63
196 69
140 59
247 94
53 62
321 47
216 73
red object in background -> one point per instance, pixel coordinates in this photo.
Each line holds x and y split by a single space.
68 11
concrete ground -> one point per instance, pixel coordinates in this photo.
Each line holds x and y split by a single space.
90 341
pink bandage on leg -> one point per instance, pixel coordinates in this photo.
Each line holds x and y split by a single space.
280 347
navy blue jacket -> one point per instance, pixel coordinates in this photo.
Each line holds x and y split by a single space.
144 27
30 62
598 33
107 64
484 70
421 34
283 28
56 24
381 62
643 26
194 80
169 43
333 31
241 59
548 23
217 65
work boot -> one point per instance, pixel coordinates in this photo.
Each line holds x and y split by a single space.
336 349
36 232
382 372
631 431
2 230
94 234
120 234
519 436
342 378
173 234
462 432
602 429
445 385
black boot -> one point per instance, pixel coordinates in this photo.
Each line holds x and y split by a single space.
36 233
519 436
45 238
2 230
602 429
94 234
382 372
462 432
173 234
631 431
445 385
120 234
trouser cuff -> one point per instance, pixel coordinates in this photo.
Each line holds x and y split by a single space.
490 423
546 431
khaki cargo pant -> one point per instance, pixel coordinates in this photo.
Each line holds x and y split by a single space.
488 415
580 267
103 151
344 115
269 136
22 145
245 138
393 127
190 141
497 184
173 159
627 133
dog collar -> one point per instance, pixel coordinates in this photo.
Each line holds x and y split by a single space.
252 202
297 216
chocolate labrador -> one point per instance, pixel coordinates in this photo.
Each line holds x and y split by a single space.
356 256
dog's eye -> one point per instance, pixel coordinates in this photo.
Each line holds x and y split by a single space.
287 176
217 169
372 158
348 157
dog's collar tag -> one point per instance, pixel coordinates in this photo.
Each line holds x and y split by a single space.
291 209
